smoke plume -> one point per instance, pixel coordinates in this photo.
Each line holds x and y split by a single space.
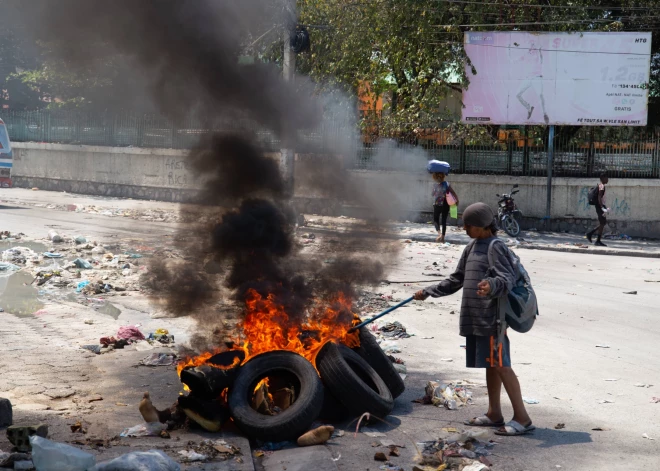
187 52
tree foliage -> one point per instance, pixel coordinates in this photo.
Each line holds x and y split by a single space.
414 48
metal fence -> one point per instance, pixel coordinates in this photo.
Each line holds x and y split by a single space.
585 152
622 152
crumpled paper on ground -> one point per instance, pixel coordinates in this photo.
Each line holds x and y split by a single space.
440 394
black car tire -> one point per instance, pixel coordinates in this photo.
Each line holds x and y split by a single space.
371 351
353 381
290 423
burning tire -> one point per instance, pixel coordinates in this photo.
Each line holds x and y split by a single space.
289 424
353 381
374 355
333 411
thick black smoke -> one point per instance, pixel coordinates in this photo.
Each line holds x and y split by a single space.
187 51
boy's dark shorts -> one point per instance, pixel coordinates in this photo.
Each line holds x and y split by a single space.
601 216
480 352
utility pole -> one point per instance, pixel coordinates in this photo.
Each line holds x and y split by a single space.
551 154
288 73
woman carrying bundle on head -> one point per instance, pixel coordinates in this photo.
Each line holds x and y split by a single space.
444 197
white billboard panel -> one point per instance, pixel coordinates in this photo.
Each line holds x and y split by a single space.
584 79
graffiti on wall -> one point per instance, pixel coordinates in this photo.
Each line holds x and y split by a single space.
583 202
618 207
177 172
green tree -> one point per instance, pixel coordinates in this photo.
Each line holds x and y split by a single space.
414 48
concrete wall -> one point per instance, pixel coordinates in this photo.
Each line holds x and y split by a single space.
162 174
635 203
159 174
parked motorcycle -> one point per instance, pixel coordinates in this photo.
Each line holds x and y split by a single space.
508 212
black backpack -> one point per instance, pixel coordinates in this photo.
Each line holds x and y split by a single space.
593 196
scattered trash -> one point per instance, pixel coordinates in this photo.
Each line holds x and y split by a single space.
391 467
159 359
78 428
560 426
7 267
337 434
380 456
605 401
8 460
148 429
152 460
390 348
630 292
529 400
80 239
130 332
81 285
655 400
19 435
54 456
646 435
600 429
54 236
52 255
602 346
394 330
642 385
459 451
317 436
93 348
446 359
611 379
82 263
449 396
476 466
191 456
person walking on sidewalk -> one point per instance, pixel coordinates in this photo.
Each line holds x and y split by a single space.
482 285
601 210
441 189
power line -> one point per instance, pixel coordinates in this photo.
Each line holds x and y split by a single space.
530 5
508 5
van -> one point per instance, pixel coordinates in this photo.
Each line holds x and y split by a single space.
5 157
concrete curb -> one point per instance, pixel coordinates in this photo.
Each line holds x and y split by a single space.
547 248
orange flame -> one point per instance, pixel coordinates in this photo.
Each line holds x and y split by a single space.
267 327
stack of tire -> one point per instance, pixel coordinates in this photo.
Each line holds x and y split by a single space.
351 382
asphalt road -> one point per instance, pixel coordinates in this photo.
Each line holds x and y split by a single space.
582 305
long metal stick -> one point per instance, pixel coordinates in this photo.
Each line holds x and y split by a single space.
386 311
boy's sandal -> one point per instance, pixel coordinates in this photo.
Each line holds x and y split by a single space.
483 421
513 428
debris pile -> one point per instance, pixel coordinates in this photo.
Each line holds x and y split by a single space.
460 451
450 396
131 335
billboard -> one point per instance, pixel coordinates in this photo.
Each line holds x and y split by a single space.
583 79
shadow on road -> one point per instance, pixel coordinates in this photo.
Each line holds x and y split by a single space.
550 438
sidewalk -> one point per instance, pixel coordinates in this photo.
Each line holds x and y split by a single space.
160 211
533 240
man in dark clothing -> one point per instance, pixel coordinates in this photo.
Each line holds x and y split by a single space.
601 211
482 285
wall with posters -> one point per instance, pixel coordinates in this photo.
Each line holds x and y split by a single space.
597 79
